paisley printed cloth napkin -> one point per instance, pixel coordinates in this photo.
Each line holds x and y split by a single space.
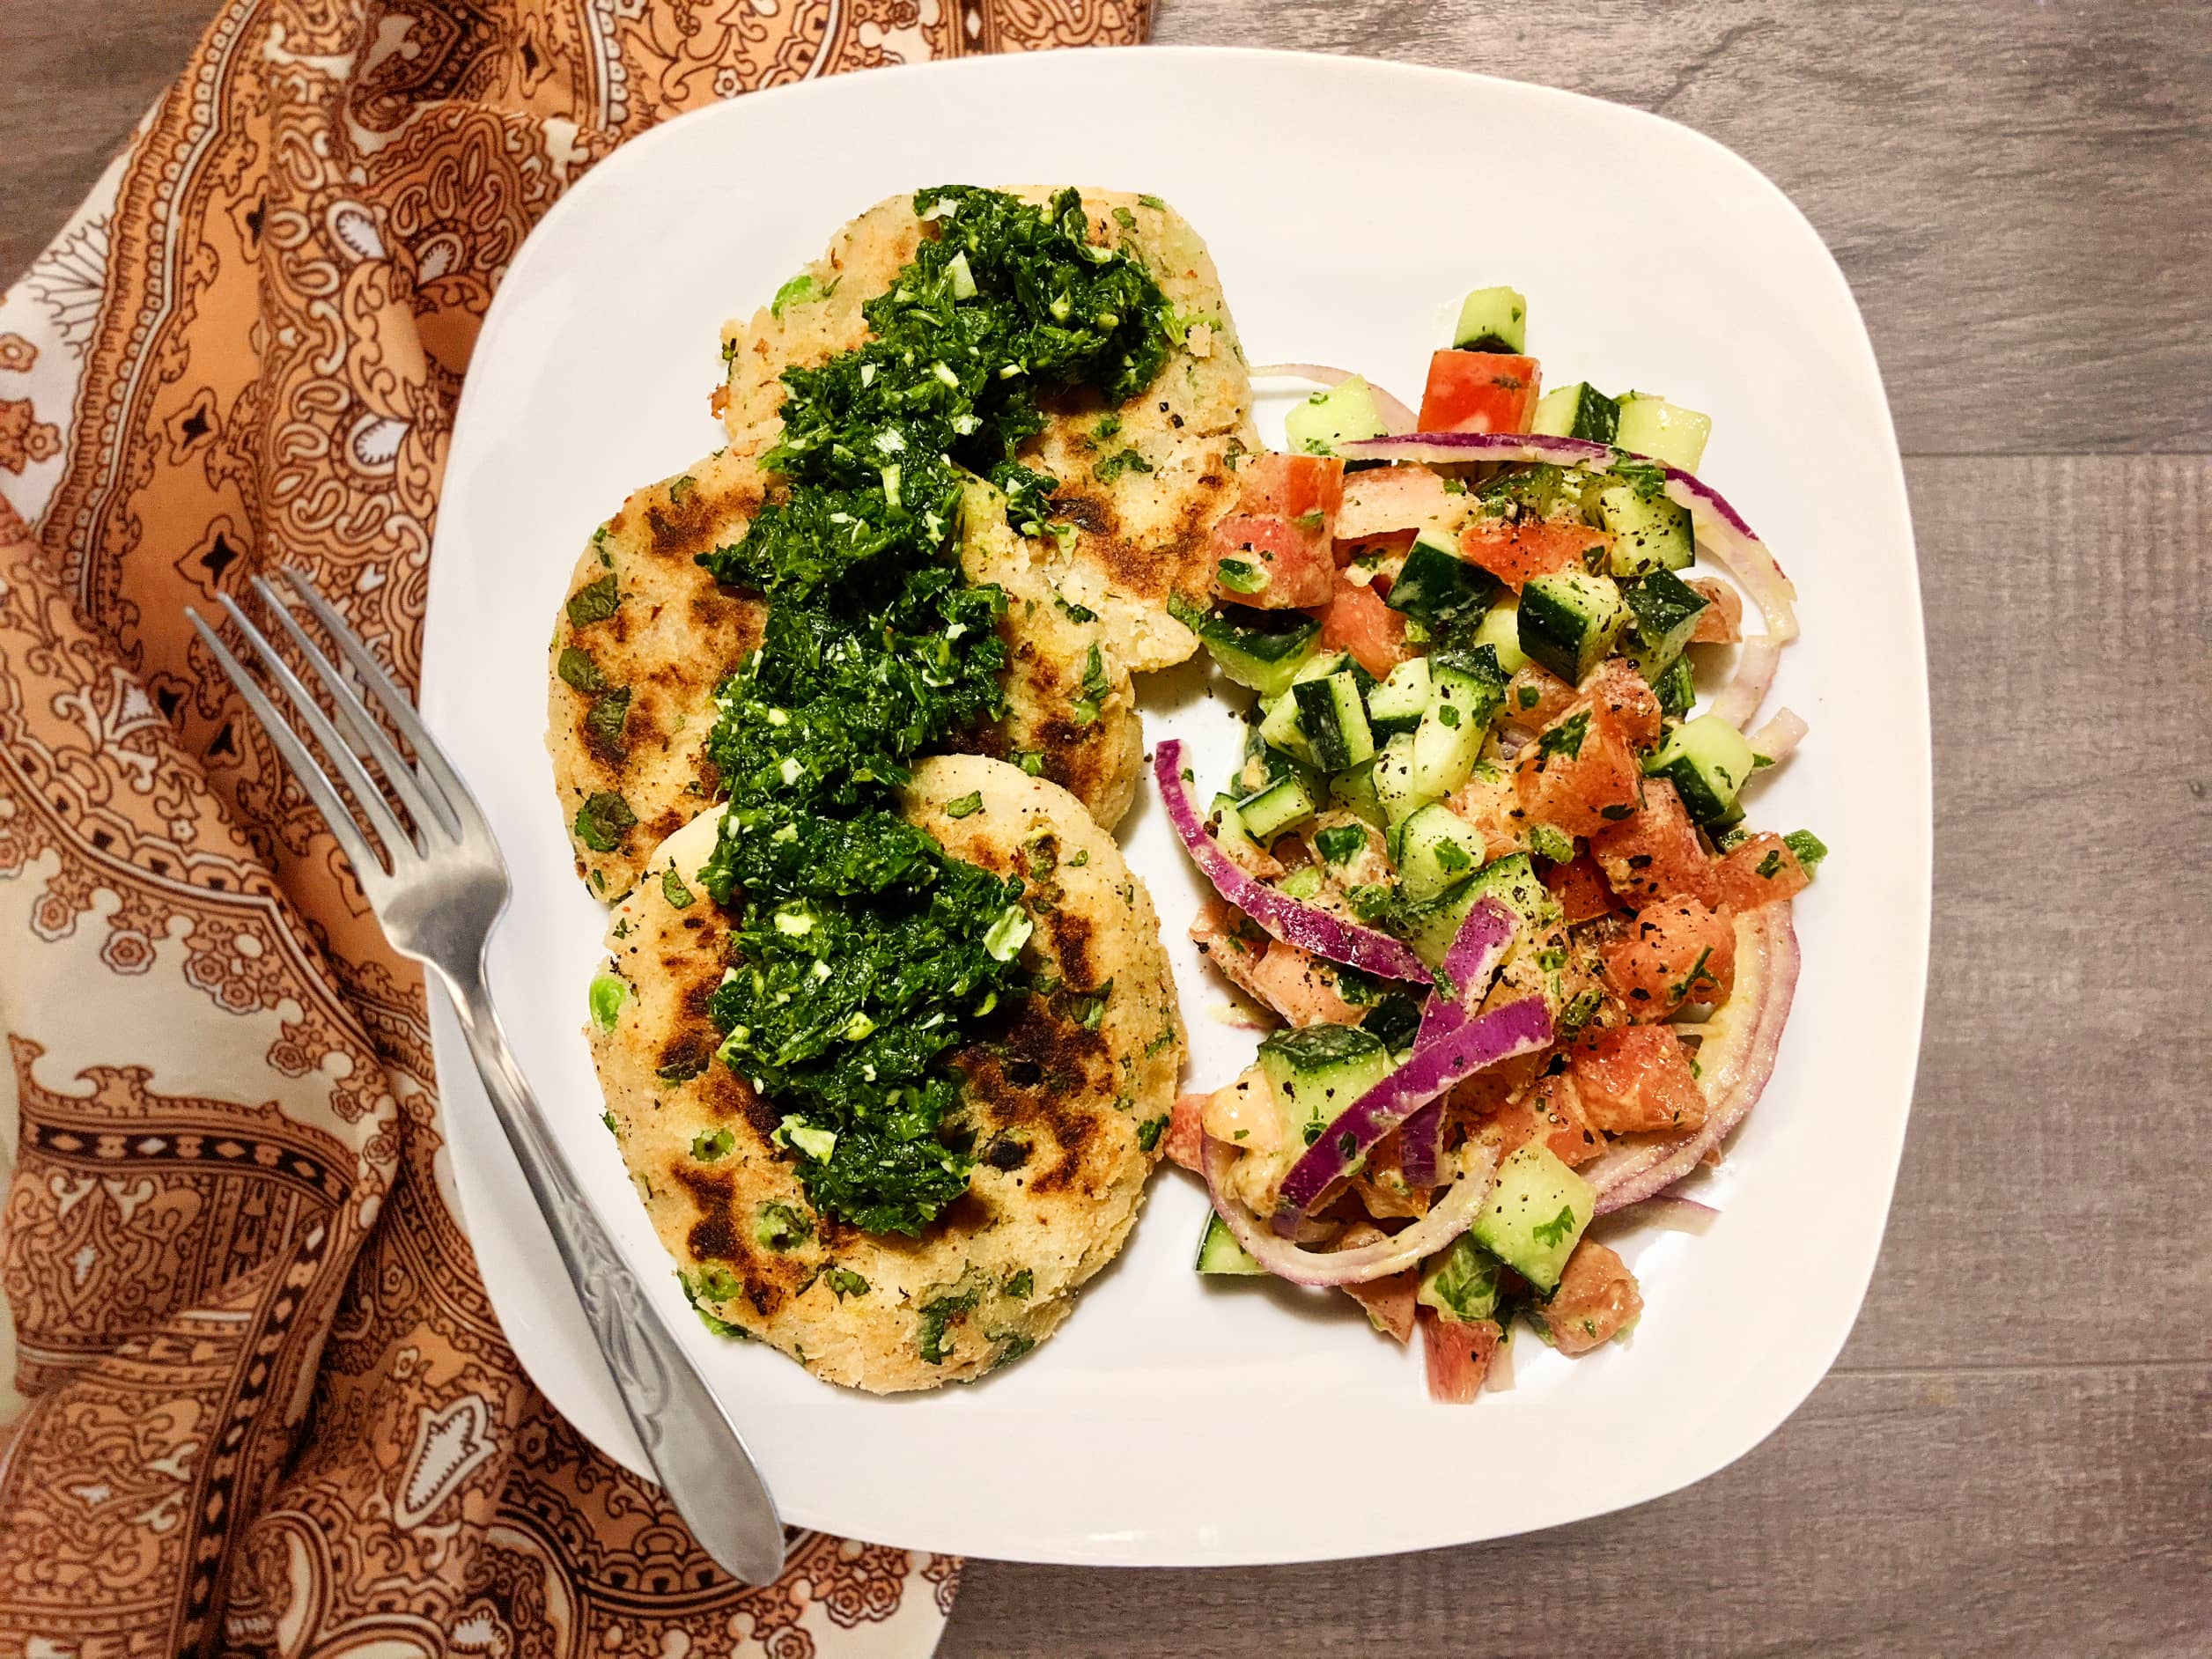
266 1406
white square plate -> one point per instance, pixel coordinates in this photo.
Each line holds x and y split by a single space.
1349 204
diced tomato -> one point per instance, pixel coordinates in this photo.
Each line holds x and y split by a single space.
1758 872
1535 696
1232 941
1486 801
1391 500
1290 487
1596 1300
1568 1134
1479 391
1285 527
1720 622
1292 570
1490 1090
1186 1141
1514 549
1616 686
1636 1077
1579 773
1580 890
1551 1115
1359 622
1300 986
1456 1356
1382 1189
1672 951
1390 1302
1656 853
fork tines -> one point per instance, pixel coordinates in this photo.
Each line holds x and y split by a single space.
428 793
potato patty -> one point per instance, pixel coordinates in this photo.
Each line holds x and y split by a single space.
643 637
1143 484
1141 487
1068 1100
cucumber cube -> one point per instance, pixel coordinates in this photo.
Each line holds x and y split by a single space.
1535 1215
1569 620
1437 849
1435 585
1316 1071
1513 881
1665 432
1394 779
1267 812
1467 689
1263 658
1650 531
1342 415
1579 411
1354 792
1397 704
1707 760
1228 827
1493 319
1500 631
1335 721
1219 1252
1662 614
1280 730
1461 1283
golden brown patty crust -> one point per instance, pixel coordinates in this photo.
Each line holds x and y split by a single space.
1143 491
642 637
1067 1100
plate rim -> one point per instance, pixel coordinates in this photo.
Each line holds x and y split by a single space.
450 1058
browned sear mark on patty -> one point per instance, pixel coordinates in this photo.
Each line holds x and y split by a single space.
1072 936
694 525
720 1234
1037 1077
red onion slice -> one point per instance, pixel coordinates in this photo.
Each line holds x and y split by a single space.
1778 738
1395 415
1482 1042
1477 949
1675 1215
1735 1064
1453 1214
1420 1145
1304 926
1739 700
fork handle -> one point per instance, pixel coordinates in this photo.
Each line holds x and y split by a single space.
695 1449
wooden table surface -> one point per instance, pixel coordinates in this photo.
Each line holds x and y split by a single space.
2014 1455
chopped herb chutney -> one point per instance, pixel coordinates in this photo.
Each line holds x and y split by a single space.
865 952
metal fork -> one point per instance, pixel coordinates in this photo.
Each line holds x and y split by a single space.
437 891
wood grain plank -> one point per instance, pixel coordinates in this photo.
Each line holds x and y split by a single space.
2021 195
2049 1206
2058 1513
76 81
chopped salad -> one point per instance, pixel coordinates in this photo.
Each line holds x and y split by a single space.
1485 858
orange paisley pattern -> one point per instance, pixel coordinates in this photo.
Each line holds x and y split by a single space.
269 1408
